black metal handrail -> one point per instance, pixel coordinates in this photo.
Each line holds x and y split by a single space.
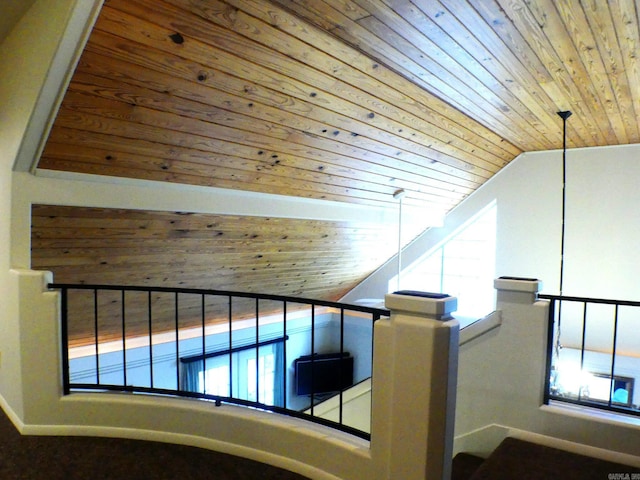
379 312
554 347
68 386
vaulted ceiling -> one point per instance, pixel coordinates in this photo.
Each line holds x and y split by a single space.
343 100
346 100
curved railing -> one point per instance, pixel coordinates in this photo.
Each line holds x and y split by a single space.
118 338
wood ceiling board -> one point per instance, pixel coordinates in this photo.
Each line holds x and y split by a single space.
443 167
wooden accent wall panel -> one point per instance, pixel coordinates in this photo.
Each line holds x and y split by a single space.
304 258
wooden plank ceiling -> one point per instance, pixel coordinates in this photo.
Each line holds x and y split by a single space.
343 100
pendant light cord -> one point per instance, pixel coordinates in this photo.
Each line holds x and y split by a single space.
564 115
399 241
399 195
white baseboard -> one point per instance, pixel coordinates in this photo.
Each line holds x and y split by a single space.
13 416
480 442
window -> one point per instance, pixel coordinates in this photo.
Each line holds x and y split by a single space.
462 266
261 380
238 375
214 381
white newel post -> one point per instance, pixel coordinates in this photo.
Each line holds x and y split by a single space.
414 388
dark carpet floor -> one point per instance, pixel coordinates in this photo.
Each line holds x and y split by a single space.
27 457
518 459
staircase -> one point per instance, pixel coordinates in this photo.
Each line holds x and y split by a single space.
519 459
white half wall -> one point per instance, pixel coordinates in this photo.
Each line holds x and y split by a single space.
314 451
398 449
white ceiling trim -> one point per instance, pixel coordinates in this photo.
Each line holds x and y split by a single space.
68 188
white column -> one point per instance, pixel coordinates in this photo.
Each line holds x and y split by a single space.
414 388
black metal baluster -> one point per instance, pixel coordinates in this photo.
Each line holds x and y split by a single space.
257 351
550 336
124 341
559 328
284 355
96 333
341 362
64 331
313 342
584 341
375 317
149 318
177 325
204 348
613 355
230 348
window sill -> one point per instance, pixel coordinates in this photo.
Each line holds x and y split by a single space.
592 414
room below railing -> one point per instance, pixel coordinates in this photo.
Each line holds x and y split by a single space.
592 355
288 356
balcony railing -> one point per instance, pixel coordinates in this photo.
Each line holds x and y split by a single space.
211 348
592 357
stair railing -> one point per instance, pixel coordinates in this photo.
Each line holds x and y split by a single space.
128 384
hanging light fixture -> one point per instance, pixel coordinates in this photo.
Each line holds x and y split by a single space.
564 115
399 195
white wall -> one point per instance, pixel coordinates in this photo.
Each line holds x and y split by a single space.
602 223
